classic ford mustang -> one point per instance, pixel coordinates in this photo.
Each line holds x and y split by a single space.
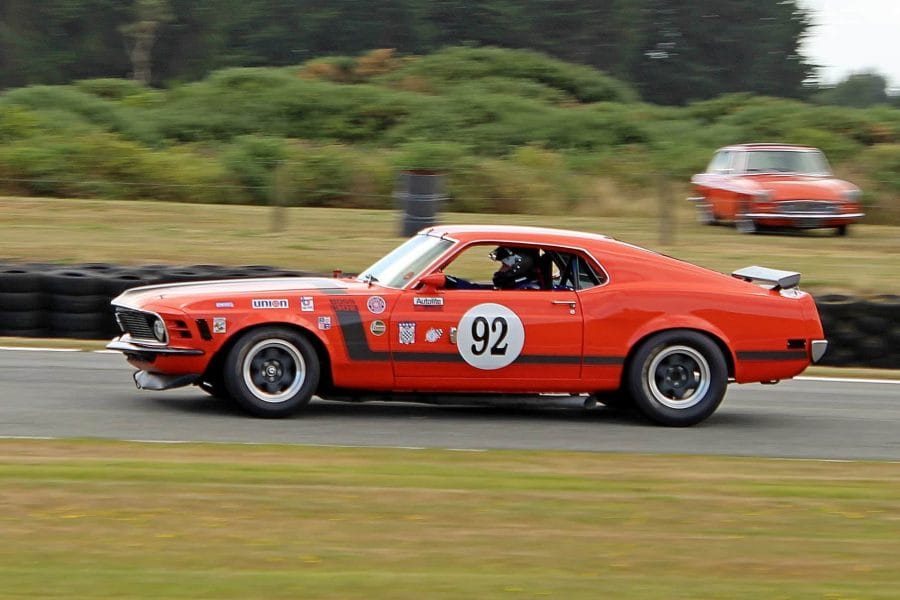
474 310
774 185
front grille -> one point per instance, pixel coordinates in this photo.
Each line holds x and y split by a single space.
808 206
137 324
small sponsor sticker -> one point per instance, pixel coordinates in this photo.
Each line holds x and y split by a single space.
219 325
376 305
224 304
270 303
428 301
377 328
307 304
407 332
343 304
433 334
324 322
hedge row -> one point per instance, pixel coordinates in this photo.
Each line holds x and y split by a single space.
46 300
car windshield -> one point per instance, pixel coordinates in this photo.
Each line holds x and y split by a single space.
406 261
787 161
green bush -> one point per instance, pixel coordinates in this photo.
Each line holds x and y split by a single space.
456 64
251 160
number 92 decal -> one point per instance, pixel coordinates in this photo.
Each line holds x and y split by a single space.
490 336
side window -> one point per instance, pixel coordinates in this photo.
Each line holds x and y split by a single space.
721 163
576 273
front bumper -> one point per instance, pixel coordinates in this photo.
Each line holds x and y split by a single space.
807 220
148 351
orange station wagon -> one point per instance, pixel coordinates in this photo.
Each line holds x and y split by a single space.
444 315
774 185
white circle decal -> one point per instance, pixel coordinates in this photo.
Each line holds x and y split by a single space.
490 336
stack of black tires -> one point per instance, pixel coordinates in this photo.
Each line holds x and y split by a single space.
47 300
861 331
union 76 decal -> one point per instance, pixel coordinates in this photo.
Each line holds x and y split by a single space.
490 336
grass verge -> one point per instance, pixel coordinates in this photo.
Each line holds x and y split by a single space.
321 239
98 519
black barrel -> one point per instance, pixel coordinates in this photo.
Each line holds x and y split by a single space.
419 195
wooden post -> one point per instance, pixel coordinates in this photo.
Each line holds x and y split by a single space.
667 218
279 197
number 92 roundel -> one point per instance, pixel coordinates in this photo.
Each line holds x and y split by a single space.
490 336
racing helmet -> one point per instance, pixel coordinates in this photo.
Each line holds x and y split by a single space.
517 266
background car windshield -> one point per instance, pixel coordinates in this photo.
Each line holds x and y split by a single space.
787 161
406 261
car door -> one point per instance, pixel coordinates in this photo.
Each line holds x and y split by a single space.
486 339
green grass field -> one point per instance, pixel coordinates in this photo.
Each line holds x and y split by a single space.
91 519
320 239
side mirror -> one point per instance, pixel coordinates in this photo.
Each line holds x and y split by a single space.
432 282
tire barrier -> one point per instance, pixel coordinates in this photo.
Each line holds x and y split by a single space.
48 300
73 301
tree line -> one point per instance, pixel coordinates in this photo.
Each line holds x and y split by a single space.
671 51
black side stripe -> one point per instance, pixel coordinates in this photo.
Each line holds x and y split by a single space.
774 355
355 337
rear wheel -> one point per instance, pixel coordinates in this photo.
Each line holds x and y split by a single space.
840 230
677 378
272 372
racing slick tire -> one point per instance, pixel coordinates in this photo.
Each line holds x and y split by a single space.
677 378
272 372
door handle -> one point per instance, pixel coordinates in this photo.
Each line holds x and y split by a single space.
571 304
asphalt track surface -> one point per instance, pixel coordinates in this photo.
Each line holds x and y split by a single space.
57 394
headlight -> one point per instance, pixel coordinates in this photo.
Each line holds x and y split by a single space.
159 330
853 195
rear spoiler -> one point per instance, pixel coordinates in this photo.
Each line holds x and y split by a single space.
780 280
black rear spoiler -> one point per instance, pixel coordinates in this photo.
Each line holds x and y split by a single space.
779 280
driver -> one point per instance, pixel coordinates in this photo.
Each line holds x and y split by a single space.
518 268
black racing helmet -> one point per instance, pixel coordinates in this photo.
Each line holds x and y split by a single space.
518 264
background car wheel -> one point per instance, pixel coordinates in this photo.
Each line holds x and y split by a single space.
705 214
272 372
744 224
840 230
677 378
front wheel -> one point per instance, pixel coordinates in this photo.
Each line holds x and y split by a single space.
677 378
272 372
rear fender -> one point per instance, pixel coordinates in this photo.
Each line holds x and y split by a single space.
690 322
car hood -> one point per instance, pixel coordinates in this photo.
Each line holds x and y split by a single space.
179 294
802 187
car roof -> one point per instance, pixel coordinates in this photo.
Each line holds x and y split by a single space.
770 146
531 235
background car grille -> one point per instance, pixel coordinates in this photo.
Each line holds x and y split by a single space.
135 323
808 206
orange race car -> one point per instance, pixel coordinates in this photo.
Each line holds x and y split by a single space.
774 185
469 310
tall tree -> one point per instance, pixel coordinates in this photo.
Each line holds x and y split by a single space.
149 15
705 48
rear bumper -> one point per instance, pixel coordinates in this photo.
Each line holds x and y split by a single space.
817 350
